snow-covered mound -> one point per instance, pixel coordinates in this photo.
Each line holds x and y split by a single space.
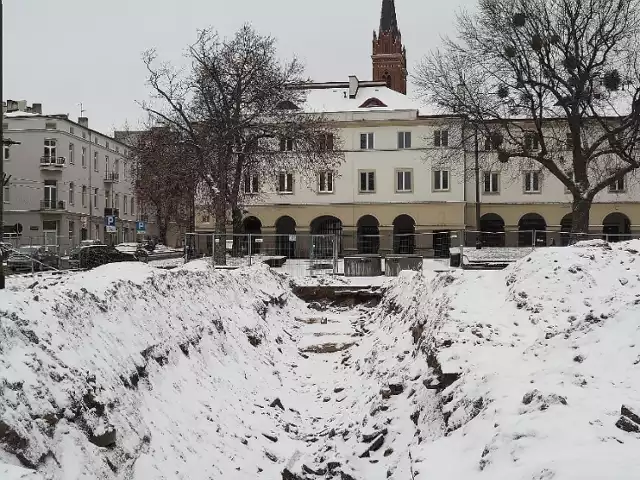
132 372
532 365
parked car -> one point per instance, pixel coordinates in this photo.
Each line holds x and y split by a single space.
34 257
96 255
5 250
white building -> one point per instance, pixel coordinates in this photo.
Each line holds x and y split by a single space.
406 180
65 178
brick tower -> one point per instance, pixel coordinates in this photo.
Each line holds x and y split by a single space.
389 56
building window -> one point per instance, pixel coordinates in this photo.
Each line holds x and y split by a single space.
7 194
116 203
72 231
367 181
285 183
133 211
50 125
440 180
326 142
531 141
206 218
84 135
95 198
84 195
117 149
532 182
106 164
72 154
251 184
50 193
7 153
404 140
286 144
325 182
404 181
107 199
491 182
125 203
116 167
366 141
95 161
72 130
617 186
50 148
441 138
71 193
84 157
106 144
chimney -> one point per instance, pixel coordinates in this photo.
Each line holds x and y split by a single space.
36 108
353 86
83 121
22 105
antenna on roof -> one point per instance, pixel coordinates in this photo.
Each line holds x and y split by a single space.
82 110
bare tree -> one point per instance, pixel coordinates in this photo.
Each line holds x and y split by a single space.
163 174
550 82
235 108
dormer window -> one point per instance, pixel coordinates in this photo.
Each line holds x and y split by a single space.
372 103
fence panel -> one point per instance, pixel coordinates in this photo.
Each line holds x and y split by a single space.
296 254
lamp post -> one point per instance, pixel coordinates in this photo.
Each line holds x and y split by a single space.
476 152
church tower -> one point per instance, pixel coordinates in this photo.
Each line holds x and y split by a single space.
389 57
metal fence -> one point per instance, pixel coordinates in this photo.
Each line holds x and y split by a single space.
299 255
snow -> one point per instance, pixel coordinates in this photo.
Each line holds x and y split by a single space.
537 359
336 100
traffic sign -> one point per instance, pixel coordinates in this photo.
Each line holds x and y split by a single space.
141 227
110 223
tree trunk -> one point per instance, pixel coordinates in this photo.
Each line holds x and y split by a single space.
220 246
580 210
236 220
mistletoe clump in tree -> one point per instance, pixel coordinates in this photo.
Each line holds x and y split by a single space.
553 82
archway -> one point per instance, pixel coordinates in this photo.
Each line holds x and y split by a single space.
325 231
532 231
368 234
565 229
404 235
252 228
286 237
616 227
492 230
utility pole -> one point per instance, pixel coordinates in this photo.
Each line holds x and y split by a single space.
2 281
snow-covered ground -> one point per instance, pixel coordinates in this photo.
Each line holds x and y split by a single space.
129 371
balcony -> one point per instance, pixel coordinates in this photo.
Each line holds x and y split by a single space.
111 212
111 177
53 206
52 163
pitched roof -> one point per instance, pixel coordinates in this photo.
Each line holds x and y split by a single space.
334 100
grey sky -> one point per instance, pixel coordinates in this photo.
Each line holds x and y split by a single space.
63 52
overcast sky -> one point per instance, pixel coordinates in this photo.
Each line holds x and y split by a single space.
63 52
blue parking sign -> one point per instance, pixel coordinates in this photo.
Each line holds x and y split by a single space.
110 223
141 227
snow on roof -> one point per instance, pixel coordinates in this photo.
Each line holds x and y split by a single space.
18 114
335 100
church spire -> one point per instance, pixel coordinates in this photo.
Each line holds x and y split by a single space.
389 57
388 20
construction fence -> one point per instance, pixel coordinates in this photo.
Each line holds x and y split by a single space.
308 254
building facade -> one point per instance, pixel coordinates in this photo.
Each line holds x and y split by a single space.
64 179
407 181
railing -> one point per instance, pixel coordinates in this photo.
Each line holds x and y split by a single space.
110 177
109 212
53 161
53 205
